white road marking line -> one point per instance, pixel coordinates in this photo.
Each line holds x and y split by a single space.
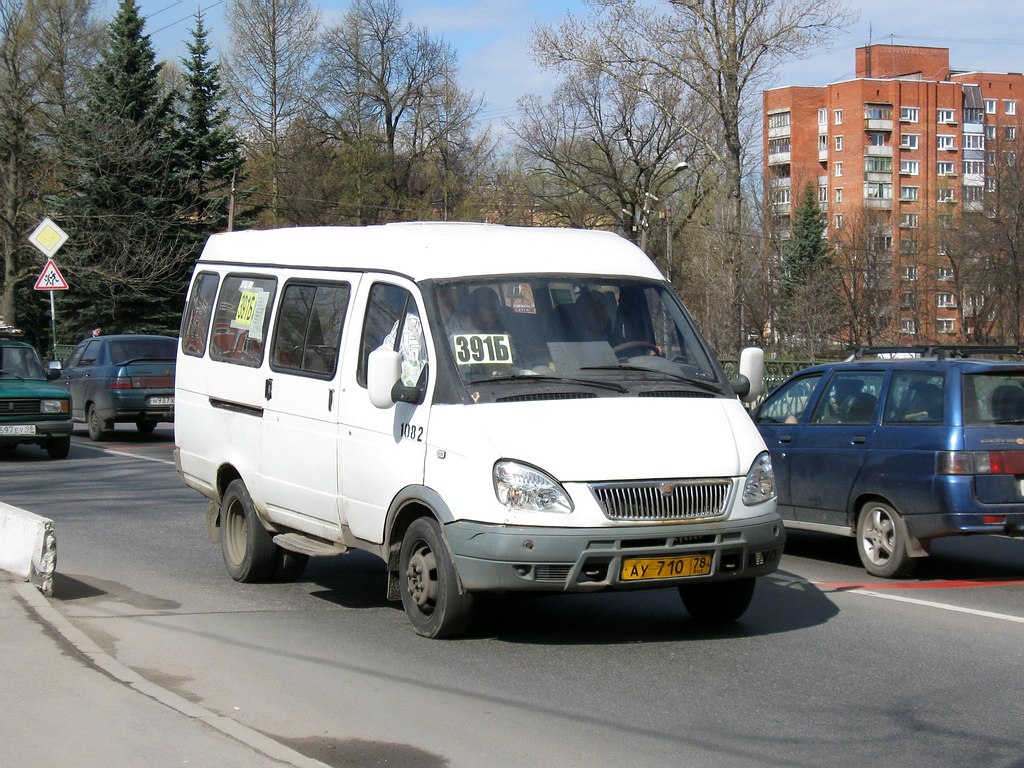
114 452
941 606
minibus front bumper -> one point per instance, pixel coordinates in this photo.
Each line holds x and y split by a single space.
496 558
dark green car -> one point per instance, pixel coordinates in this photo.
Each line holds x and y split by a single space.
32 411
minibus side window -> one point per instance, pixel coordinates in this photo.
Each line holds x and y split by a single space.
241 319
195 322
393 322
308 330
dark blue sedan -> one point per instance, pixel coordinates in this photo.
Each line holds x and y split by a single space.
899 452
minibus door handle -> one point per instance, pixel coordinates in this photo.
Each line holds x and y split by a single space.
268 388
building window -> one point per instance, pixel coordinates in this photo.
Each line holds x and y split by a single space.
908 245
946 300
908 114
839 194
945 273
944 220
990 158
1010 132
972 141
944 325
908 273
823 116
877 112
875 164
973 194
909 220
973 167
876 138
908 141
974 115
882 244
780 196
909 193
990 106
945 141
946 168
1011 106
1010 158
822 142
778 146
838 221
907 299
945 195
990 132
838 115
839 143
990 183
910 167
946 116
878 190
778 120
837 169
908 326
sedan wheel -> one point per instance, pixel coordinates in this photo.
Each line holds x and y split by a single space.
97 428
882 541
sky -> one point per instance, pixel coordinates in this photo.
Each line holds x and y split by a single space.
492 37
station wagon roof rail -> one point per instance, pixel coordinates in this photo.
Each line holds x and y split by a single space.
939 351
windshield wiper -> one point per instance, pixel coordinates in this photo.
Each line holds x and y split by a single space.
542 377
12 374
706 385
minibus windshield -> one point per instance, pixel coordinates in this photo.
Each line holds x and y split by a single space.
596 329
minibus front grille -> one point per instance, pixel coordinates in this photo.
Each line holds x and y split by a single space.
546 396
663 500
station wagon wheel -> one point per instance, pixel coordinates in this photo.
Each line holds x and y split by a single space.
250 554
145 426
97 428
882 541
718 602
429 585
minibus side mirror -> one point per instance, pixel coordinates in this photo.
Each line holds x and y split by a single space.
383 372
749 384
53 369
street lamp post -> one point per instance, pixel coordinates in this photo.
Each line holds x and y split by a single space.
642 220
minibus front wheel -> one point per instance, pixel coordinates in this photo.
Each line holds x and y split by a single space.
250 554
429 584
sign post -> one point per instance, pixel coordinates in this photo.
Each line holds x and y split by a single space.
48 238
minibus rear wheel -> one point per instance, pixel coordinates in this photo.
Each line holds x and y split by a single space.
429 584
250 554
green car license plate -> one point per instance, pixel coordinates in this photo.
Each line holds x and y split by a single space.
18 429
652 568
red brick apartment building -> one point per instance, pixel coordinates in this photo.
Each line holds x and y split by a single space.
909 145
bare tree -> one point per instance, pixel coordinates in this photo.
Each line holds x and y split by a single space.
864 259
272 57
722 50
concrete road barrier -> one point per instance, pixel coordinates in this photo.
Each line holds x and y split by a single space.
28 546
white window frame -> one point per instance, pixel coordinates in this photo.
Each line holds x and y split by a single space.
946 168
945 141
944 274
837 116
908 326
837 169
839 144
909 114
945 195
823 116
944 325
910 220
946 301
909 140
839 194
990 106
910 194
974 141
838 221
946 116
974 167
910 167
908 272
1011 106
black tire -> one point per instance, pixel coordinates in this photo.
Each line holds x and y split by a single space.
882 541
719 602
59 447
250 554
97 427
145 426
290 565
429 583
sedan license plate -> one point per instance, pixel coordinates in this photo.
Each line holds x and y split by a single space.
18 429
161 401
649 568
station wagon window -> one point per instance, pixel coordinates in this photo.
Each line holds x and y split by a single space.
851 397
241 319
308 332
915 397
994 398
787 406
195 322
393 322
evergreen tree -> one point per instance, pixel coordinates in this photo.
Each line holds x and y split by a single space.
123 200
807 249
210 148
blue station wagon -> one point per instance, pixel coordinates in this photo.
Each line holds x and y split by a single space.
899 452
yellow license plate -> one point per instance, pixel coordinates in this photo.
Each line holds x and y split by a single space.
645 568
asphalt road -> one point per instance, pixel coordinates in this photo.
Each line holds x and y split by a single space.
828 667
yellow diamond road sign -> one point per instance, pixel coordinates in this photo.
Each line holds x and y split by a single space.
48 237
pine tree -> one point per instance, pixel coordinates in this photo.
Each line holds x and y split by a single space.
123 202
210 148
807 249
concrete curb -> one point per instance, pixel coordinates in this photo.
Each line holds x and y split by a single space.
28 546
53 618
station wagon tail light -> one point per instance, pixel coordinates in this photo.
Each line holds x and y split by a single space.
53 406
523 488
980 463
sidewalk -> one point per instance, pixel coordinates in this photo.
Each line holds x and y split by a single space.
64 702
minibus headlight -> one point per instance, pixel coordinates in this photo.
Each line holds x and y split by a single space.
759 485
523 488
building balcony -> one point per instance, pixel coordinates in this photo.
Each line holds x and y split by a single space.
822 155
974 206
874 124
883 151
974 128
878 204
783 182
878 177
779 158
779 132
